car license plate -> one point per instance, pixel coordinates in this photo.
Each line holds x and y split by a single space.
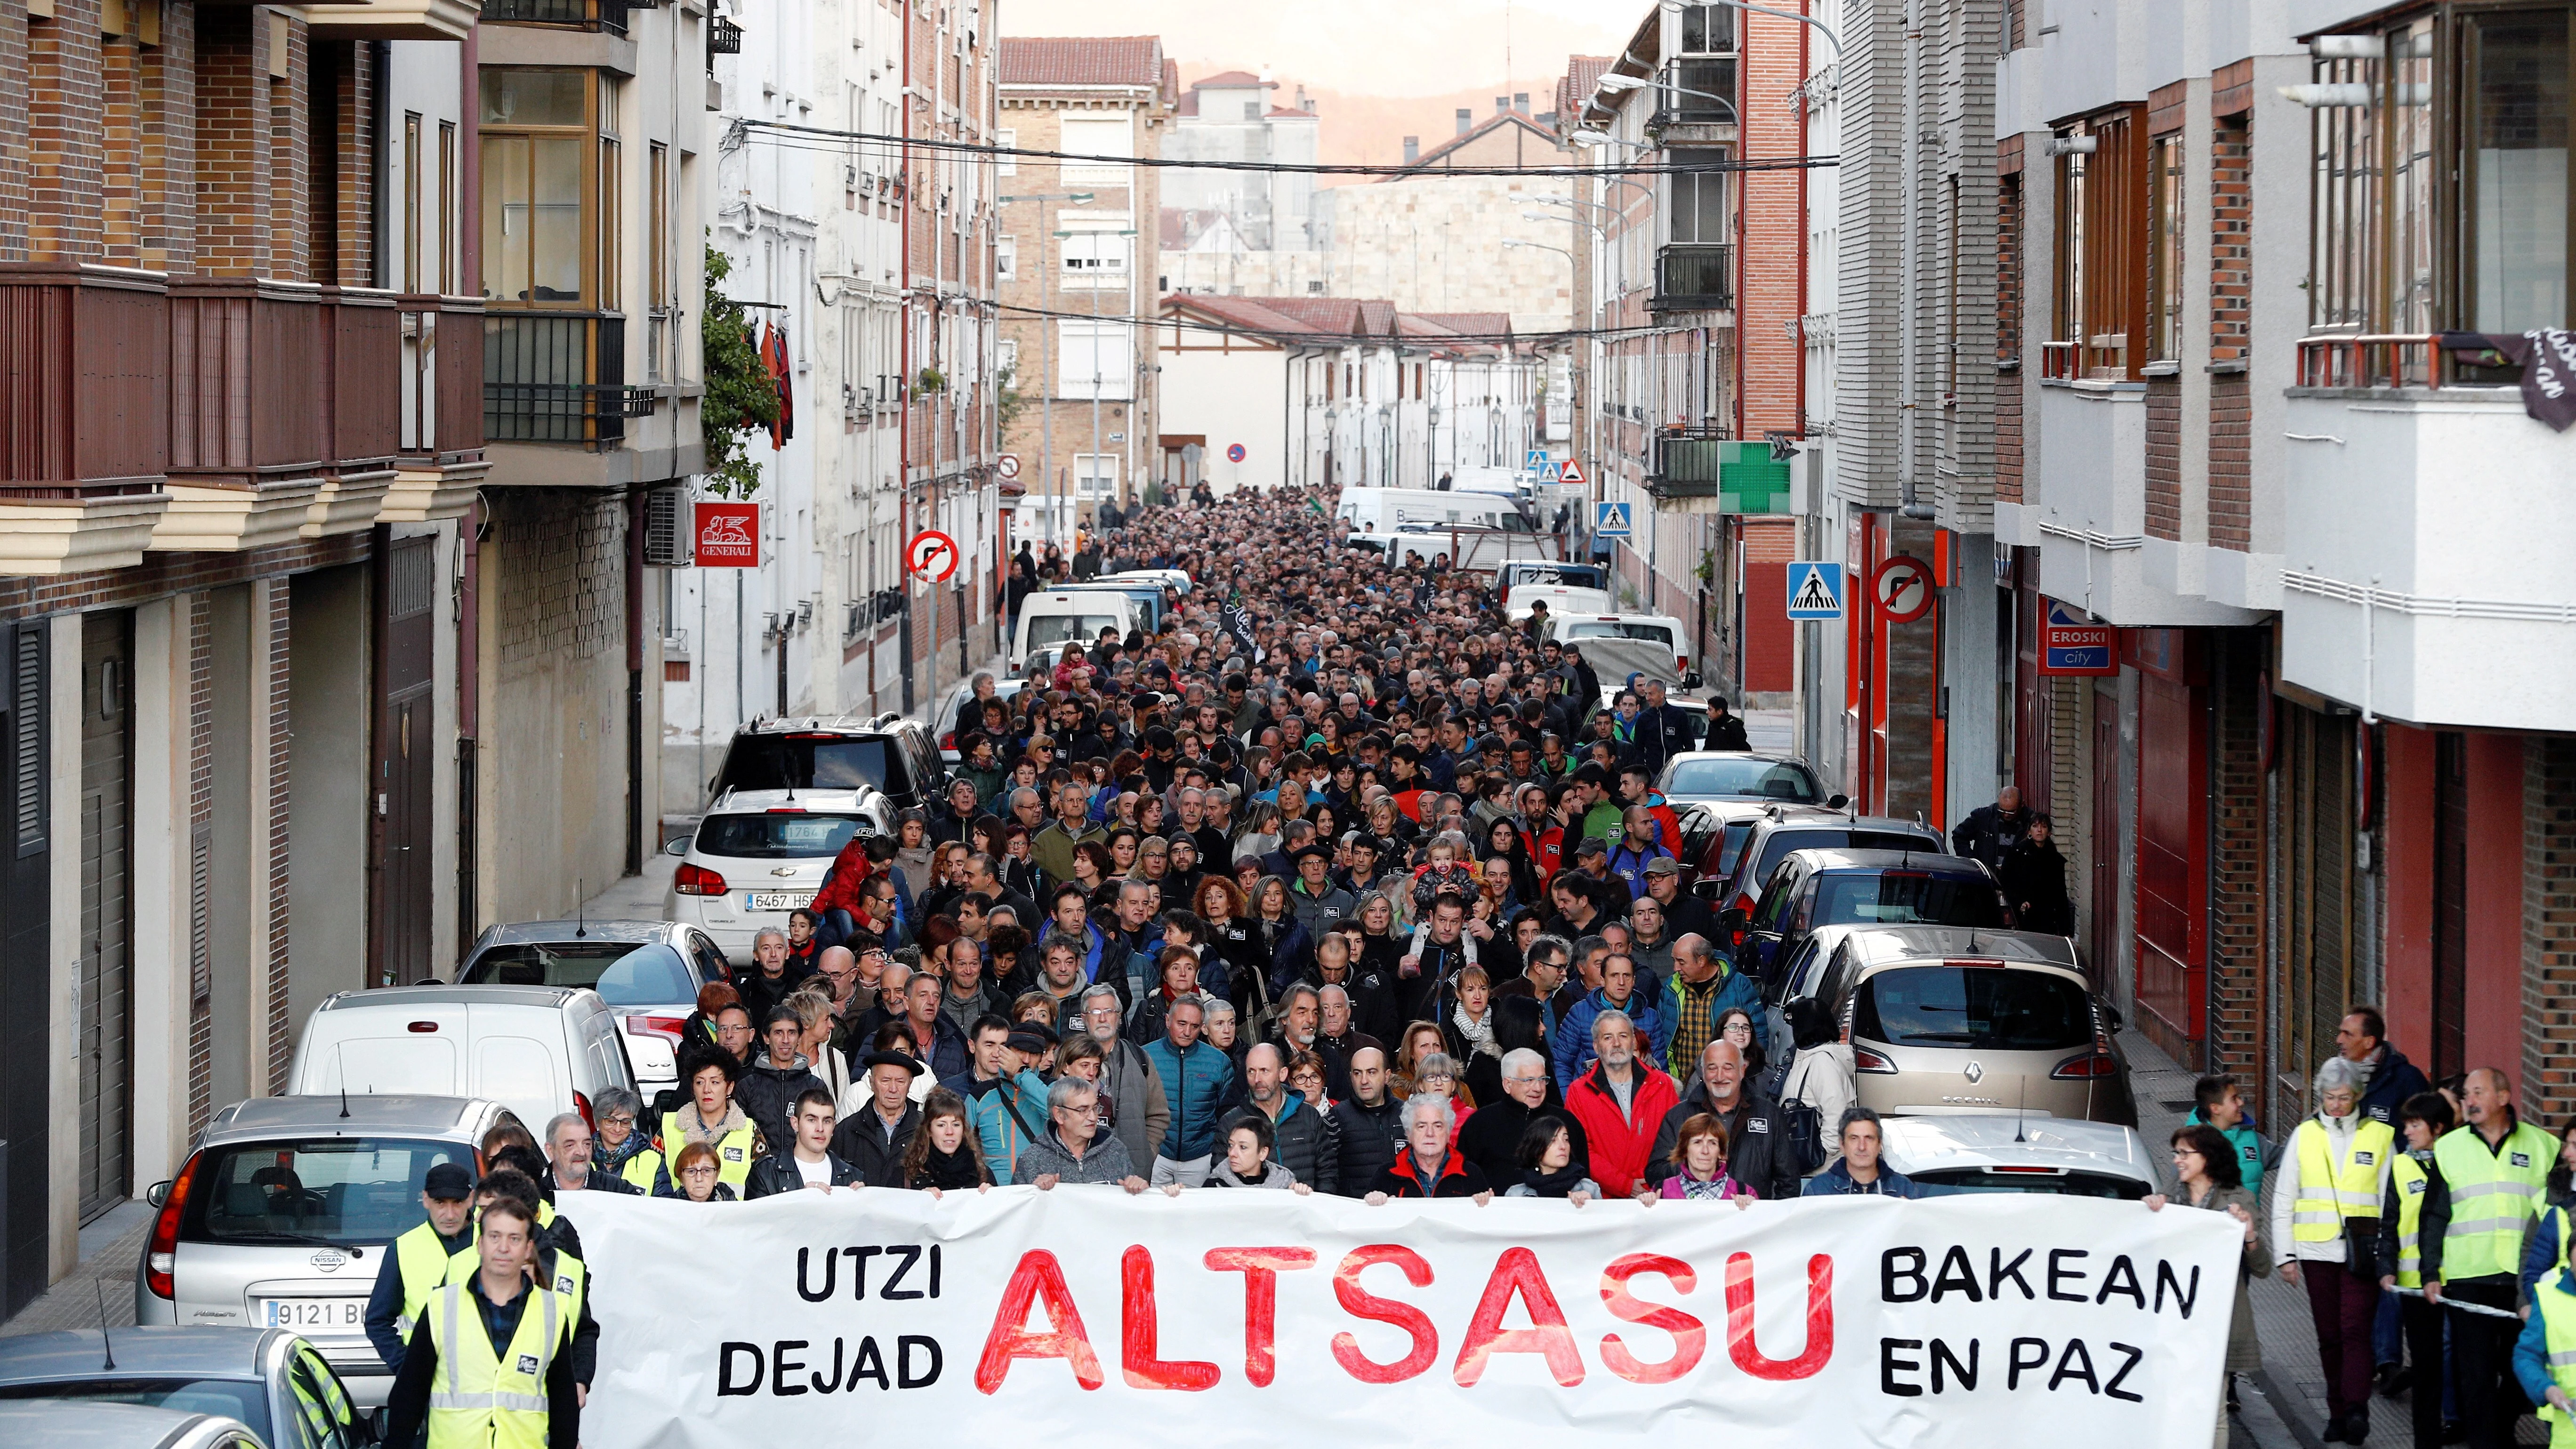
315 1315
778 900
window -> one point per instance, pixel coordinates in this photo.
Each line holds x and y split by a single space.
2099 320
1095 136
2164 256
537 151
612 217
411 216
1006 355
1004 163
657 162
1698 206
1707 29
1006 257
447 208
1095 475
2409 240
1096 260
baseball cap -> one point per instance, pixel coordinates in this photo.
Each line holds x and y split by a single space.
1663 865
1592 845
448 1182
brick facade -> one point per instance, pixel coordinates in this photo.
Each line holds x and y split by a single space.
2231 227
2164 458
562 572
2547 1075
2008 319
2231 463
2236 807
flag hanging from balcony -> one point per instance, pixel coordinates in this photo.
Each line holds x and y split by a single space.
773 357
2547 358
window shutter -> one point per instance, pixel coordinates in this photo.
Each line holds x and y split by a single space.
201 966
27 733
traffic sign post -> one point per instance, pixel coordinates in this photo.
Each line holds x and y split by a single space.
1902 589
1235 452
1572 474
2070 642
1007 466
1610 520
1534 461
1816 589
931 556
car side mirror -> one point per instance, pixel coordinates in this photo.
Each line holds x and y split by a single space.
1732 918
1691 680
679 844
158 1194
2113 1013
1836 802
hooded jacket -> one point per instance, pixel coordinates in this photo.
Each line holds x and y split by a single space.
1104 1161
768 1095
1196 1084
1617 1142
1302 1141
1458 1177
1573 1045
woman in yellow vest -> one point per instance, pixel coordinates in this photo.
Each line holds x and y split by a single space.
489 1365
2333 1179
2411 1222
711 1116
2544 1357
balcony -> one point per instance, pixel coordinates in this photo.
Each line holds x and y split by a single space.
440 445
603 15
393 20
2429 582
1694 277
557 377
1702 469
250 385
84 421
723 36
1694 91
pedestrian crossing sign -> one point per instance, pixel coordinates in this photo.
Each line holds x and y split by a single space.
1610 520
1535 461
1815 589
1550 473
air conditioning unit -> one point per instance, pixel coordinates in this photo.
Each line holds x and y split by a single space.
667 542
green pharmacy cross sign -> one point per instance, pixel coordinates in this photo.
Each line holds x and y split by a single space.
1749 480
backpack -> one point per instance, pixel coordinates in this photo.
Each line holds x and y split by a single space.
1798 1148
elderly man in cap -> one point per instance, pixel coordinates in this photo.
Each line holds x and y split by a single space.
1319 903
873 1138
416 1265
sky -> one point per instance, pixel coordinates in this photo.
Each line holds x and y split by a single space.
1355 47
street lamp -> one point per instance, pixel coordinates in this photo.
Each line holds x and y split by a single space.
1046 348
1614 84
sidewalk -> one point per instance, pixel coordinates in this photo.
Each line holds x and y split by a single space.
109 1248
2290 1389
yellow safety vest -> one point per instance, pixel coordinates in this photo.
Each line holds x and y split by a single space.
2411 1181
2494 1197
422 1257
323 1415
570 1278
2557 1309
483 1400
2329 1194
733 1152
638 1170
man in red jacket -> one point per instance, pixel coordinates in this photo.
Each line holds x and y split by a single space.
1621 1104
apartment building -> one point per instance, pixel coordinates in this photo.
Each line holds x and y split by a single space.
1078 242
1235 115
1689 285
2264 462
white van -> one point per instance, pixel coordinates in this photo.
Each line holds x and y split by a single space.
1562 600
1068 616
1655 628
537 1050
1395 510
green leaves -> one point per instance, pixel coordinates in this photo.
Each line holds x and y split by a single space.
741 397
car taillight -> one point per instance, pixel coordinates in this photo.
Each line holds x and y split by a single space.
697 880
948 741
163 1252
2090 1064
581 1104
666 1027
1865 1060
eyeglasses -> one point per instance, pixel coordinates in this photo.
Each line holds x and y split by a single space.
618 1119
701 1170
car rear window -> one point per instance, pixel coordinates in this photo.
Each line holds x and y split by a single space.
1776 848
624 973
2059 1184
814 761
1732 845
243 1399
1618 629
1980 1008
335 1190
1045 629
1905 898
786 835
1750 779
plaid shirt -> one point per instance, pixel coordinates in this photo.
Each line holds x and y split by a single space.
1691 1024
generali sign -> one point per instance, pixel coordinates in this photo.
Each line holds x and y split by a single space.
728 535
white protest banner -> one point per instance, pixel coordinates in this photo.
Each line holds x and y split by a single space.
1087 1316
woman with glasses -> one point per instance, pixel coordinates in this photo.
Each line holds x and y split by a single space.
2210 1177
710 1118
701 1176
624 1152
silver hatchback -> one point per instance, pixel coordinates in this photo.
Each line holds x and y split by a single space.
283 1213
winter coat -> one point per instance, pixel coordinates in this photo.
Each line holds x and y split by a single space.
778 1173
1320 913
1272 1176
1144 1107
1458 1178
1007 1117
1822 1077
1749 1152
1726 732
1988 832
861 1141
768 1095
1492 1138
1367 1139
1302 1142
2034 872
2392 1081
947 1047
1618 1142
1573 1045
1196 1085
1104 1161
1836 1181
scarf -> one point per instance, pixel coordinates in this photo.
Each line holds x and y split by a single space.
1719 1187
949 1171
694 1128
1479 1034
1553 1184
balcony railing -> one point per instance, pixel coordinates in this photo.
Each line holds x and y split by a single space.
1694 277
1699 91
557 377
608 15
871 610
1689 462
723 37
2373 360
442 397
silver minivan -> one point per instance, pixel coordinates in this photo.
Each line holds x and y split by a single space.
284 1209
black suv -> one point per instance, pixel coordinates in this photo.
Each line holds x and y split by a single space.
889 754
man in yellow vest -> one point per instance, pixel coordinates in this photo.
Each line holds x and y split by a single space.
2494 1170
416 1263
2412 1221
489 1365
2332 1178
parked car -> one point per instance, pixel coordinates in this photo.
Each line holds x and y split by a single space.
1005 687
537 1050
1866 888
1066 616
278 1216
759 854
891 755
1703 777
270 1380
1590 628
648 972
1512 575
1714 833
1949 1021
1176 580
1561 599
1784 830
2062 1156
75 1424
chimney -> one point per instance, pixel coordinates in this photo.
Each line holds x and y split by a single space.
1466 120
1412 149
1520 102
1502 105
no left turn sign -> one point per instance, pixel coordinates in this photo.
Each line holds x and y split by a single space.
931 556
1902 588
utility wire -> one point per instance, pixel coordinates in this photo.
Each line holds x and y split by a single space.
825 138
1325 339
